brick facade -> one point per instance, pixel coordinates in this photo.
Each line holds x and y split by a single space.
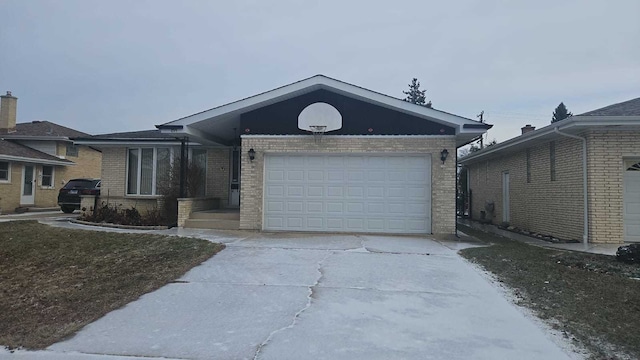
556 207
443 176
87 164
606 152
114 179
540 205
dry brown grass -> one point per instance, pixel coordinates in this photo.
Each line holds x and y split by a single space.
592 298
54 281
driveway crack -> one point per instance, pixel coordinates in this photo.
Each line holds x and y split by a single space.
311 290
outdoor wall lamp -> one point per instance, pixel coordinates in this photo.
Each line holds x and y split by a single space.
443 155
252 154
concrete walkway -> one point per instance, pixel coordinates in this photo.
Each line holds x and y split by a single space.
288 296
606 249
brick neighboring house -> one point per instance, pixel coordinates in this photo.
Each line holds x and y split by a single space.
37 158
379 171
536 181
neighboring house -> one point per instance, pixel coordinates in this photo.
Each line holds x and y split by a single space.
37 158
377 169
536 181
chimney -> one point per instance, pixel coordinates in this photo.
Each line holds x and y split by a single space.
8 105
527 128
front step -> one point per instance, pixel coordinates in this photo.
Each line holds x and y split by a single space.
222 219
221 214
216 224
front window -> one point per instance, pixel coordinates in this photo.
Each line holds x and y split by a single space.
5 171
72 150
47 176
143 167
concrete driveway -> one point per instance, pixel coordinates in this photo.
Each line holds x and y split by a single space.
273 296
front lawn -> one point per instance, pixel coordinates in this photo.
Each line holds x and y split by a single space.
592 298
54 281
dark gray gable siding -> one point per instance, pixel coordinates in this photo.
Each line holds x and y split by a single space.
358 118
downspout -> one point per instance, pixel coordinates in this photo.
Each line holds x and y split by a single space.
585 236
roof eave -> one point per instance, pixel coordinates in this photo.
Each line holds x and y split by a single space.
571 123
314 83
36 160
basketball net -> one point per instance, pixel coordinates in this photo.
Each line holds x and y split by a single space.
317 131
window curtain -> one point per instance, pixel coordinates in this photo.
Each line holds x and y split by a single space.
132 176
146 173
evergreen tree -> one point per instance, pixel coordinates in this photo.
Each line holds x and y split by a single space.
560 113
415 95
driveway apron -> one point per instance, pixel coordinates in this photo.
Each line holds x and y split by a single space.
322 297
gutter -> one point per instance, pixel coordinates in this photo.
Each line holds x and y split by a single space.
585 236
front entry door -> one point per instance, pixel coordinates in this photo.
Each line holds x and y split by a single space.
28 185
234 183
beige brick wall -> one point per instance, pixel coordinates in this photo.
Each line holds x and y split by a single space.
607 151
542 205
10 191
443 176
88 164
218 164
114 172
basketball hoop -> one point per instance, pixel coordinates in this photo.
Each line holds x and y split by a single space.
317 131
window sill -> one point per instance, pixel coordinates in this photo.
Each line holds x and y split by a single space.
133 196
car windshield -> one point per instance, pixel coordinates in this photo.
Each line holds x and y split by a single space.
81 184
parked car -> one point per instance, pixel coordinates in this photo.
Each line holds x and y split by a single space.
69 195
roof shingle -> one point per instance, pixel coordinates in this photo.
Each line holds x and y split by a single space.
626 108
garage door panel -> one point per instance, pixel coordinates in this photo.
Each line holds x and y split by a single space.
398 176
355 175
275 175
335 191
275 206
354 193
355 224
315 223
375 192
295 191
275 190
294 222
315 175
295 206
295 175
375 208
315 207
335 208
355 208
315 191
335 224
335 175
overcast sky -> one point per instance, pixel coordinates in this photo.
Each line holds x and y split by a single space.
110 66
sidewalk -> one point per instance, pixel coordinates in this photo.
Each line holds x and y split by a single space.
606 249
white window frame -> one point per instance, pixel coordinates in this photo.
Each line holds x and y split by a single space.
53 172
8 179
139 170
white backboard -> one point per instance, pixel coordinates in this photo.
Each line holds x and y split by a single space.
320 114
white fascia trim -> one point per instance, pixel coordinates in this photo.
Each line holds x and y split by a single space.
573 122
323 82
121 143
352 136
35 161
35 138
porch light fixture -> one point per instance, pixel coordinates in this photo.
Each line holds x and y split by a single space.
252 154
443 155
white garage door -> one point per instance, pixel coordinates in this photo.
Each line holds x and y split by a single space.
632 202
352 193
